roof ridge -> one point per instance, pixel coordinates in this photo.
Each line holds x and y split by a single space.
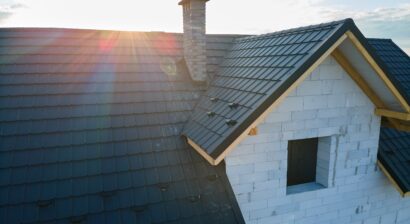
296 29
376 38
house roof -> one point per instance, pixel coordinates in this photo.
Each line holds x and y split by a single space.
90 127
394 155
396 61
394 147
253 75
257 71
90 120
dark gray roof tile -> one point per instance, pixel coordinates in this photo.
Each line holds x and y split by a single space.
254 73
78 122
394 145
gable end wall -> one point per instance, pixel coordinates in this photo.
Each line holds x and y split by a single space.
327 103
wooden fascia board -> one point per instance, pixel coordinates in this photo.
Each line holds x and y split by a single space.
201 151
402 193
392 114
378 71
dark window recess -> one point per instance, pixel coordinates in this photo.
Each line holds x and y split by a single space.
302 157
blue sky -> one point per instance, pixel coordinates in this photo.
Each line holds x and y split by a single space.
375 18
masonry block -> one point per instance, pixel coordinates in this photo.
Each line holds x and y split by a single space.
332 113
304 115
310 88
291 104
336 101
278 117
317 123
328 105
403 215
314 102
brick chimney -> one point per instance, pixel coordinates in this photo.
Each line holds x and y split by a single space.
194 40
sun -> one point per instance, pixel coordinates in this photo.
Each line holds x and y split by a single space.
94 14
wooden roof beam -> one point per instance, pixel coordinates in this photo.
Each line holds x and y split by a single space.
357 78
378 71
392 114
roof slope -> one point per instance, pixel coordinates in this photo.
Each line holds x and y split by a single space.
90 127
394 151
394 154
253 75
396 61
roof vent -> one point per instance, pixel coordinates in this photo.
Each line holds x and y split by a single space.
210 113
230 122
233 105
213 99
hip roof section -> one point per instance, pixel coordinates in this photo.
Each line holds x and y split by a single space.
397 63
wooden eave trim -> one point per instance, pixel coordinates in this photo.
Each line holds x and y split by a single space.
402 193
392 114
201 151
378 71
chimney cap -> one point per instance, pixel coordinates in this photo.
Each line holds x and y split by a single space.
183 2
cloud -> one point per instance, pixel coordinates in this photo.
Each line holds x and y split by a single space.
272 15
393 22
8 9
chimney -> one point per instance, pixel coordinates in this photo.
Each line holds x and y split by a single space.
194 40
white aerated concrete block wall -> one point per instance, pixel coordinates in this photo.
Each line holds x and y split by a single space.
327 104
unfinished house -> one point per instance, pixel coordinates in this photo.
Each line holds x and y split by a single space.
307 125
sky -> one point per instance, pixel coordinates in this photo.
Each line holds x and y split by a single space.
375 18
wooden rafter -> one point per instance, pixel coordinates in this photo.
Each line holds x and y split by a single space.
357 78
392 114
355 75
378 71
